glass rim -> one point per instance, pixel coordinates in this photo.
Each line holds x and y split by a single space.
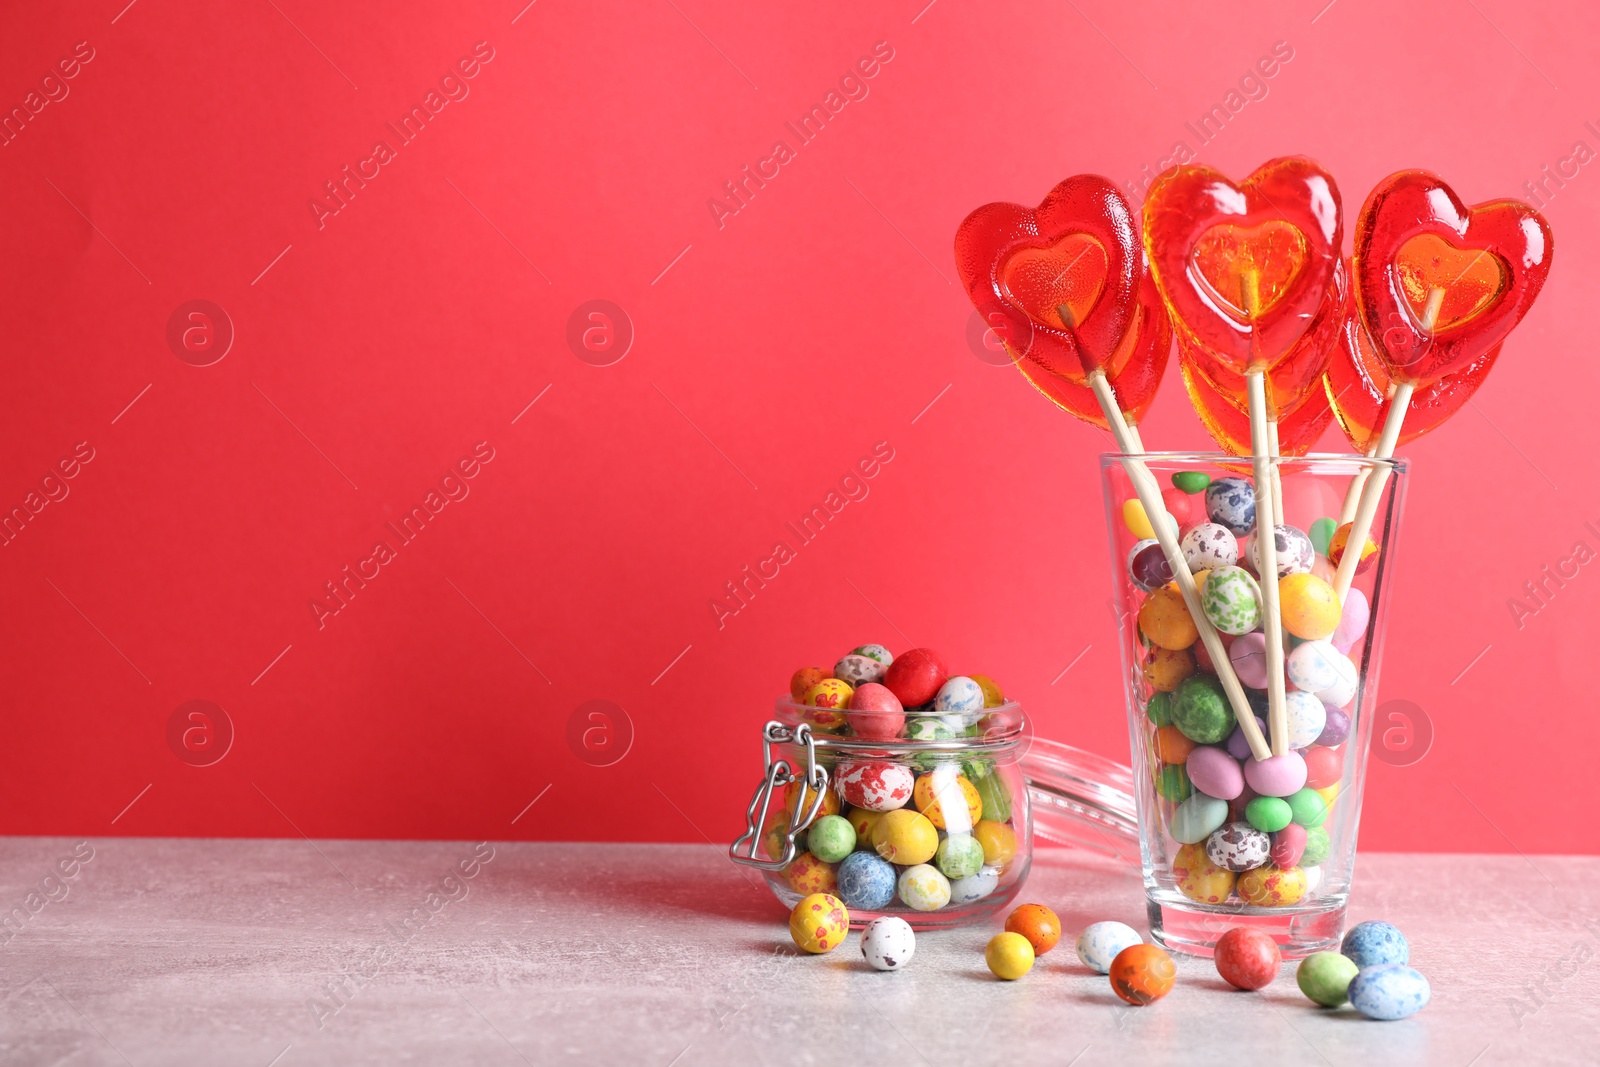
1324 462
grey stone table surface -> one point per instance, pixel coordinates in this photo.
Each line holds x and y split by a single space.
286 953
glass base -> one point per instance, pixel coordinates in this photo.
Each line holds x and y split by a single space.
951 915
1181 925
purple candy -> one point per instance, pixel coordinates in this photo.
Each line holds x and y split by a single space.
1215 773
1249 655
1352 621
1238 746
1276 776
1336 731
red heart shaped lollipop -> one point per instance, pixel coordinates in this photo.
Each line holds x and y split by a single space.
1296 377
1298 430
1062 278
1134 370
1244 267
1359 387
1483 266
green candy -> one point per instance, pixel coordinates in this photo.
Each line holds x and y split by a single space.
959 856
1172 782
995 796
1321 533
1309 808
1268 814
1191 481
1200 710
1325 977
1231 599
1318 845
1159 709
831 838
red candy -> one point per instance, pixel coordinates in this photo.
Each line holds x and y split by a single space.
876 713
1179 505
876 785
915 676
1323 768
1247 958
1414 235
1202 231
1288 845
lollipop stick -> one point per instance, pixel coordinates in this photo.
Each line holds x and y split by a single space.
1352 495
1277 475
1372 491
1267 563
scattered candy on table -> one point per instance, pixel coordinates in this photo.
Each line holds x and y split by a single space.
1038 924
1325 977
1389 991
1247 958
1101 942
888 943
819 923
1009 956
1142 973
1372 944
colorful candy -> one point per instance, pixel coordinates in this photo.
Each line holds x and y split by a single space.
1231 599
1200 709
1238 846
1209 545
1009 956
959 856
1165 621
1389 991
1272 887
866 881
1100 944
1373 943
1310 606
1231 503
1295 553
915 676
1325 977
876 713
819 923
1196 818
948 799
1141 974
1038 924
905 837
877 785
831 838
1198 878
923 888
1247 958
888 943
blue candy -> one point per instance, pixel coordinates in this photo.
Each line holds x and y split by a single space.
1231 502
866 881
1373 944
1389 991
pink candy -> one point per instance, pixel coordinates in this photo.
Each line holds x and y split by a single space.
1352 621
1276 776
1215 773
1249 655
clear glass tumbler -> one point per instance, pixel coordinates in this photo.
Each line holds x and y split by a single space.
1227 840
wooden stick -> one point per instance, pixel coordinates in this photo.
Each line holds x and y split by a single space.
1352 495
1372 491
1149 494
1266 536
1277 475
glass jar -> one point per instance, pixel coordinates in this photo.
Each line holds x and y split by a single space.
1227 839
939 826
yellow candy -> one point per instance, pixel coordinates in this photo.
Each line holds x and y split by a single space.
992 696
791 796
1198 878
1272 886
1369 551
1009 956
1329 794
957 792
1167 667
1136 520
999 842
819 923
1309 605
1165 621
863 821
905 837
808 875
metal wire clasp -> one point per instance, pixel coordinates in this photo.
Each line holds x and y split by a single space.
813 787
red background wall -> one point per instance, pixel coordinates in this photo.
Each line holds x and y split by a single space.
772 349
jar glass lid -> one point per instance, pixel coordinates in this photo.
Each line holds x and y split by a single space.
1081 800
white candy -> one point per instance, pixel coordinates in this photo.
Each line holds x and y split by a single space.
1314 666
1343 691
1210 545
1307 716
1100 943
888 943
975 887
958 694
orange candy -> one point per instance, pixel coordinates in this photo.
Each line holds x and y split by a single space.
1309 606
804 679
1038 924
1166 667
791 797
1164 619
1172 746
1143 973
1336 543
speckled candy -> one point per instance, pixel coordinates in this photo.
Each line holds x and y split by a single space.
1101 943
1306 715
1231 599
1336 546
888 943
877 652
819 923
1147 565
1165 621
923 888
1276 776
1208 546
1238 847
1197 817
1318 845
866 881
1247 958
858 670
1295 552
1373 943
915 676
1309 606
959 856
831 838
809 874
1231 502
875 713
974 887
1344 692
1325 977
803 679
1272 887
959 694
1167 667
993 696
877 785
1143 973
1198 878
1214 772
829 697
948 799
1200 709
1389 992
1314 666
